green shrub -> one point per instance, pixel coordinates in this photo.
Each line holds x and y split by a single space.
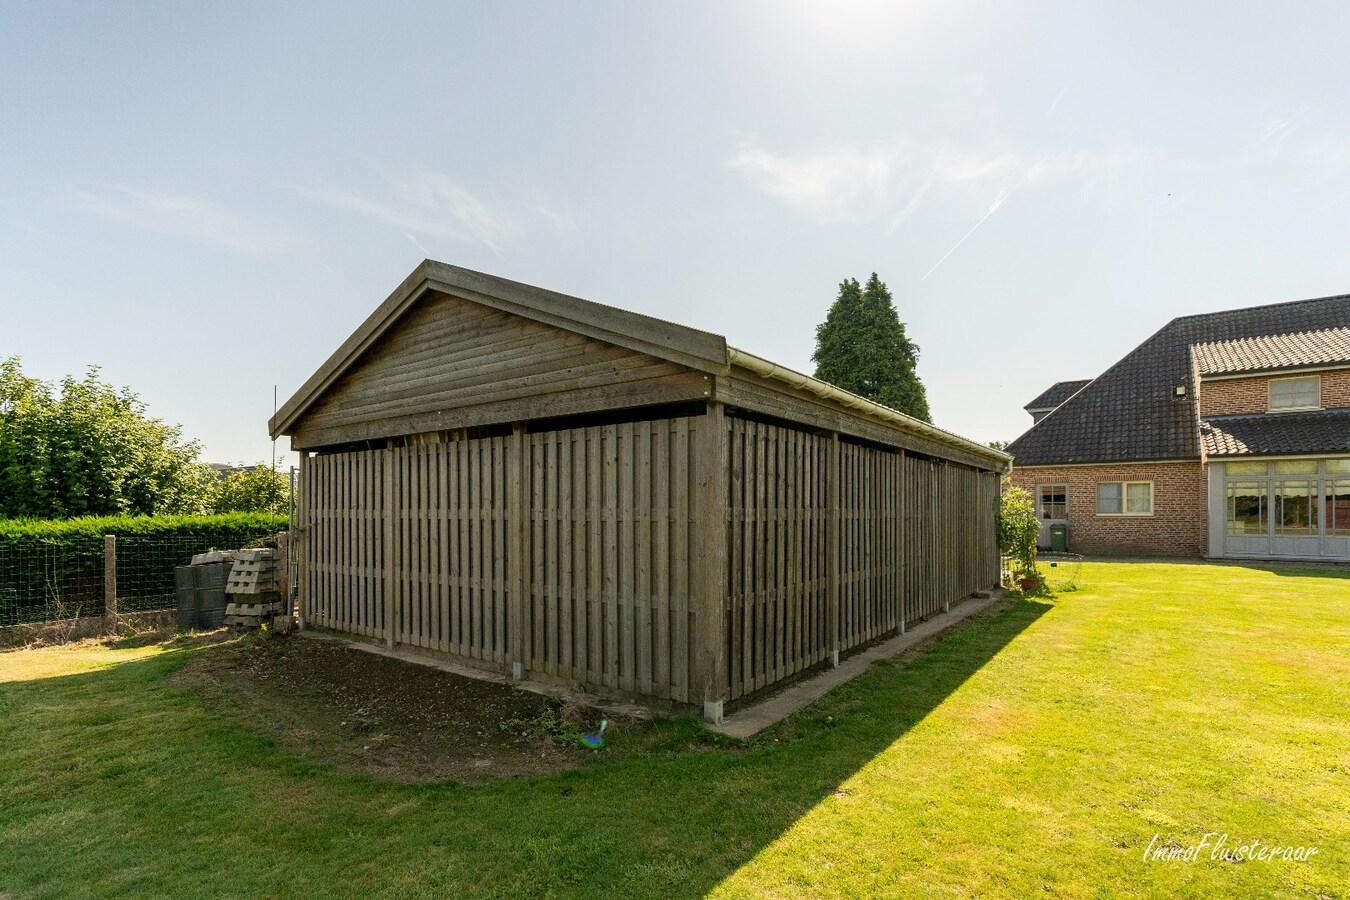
231 526
1018 527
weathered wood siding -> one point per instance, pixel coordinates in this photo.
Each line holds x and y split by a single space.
608 567
450 363
341 518
777 573
412 539
576 553
949 517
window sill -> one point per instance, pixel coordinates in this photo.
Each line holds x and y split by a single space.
1293 409
1147 515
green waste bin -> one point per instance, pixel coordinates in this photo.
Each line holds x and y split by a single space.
1059 538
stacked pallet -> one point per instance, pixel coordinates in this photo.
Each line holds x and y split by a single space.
255 588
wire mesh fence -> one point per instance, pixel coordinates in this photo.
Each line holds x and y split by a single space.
46 580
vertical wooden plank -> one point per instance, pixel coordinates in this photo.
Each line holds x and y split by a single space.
387 545
455 540
643 556
661 557
834 526
595 610
612 510
499 549
580 534
553 601
515 520
763 587
443 543
539 647
735 559
566 616
780 553
681 561
627 586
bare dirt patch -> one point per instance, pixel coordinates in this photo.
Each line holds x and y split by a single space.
365 713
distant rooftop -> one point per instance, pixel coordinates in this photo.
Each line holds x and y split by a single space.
1057 393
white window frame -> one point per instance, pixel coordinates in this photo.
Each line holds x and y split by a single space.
1270 394
1124 500
1040 509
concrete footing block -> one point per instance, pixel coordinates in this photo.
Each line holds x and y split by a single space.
518 671
712 711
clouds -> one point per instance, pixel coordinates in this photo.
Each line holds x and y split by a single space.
828 184
427 207
193 218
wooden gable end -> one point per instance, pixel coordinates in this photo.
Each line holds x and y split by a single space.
452 363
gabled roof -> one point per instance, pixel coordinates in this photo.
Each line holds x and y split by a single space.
1322 431
698 350
1131 411
1056 394
1268 352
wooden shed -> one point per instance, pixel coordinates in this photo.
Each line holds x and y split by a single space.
558 489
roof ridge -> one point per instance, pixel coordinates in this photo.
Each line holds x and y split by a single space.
1271 337
1242 309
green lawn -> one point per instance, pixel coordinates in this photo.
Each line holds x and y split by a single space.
1036 751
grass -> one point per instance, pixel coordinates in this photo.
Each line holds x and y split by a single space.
1038 750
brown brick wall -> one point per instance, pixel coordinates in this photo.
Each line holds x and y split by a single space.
1176 528
1234 396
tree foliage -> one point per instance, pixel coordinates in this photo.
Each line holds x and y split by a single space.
83 448
259 488
1018 528
862 347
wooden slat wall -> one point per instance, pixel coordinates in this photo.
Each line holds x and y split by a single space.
450 552
603 552
870 543
340 510
608 555
949 516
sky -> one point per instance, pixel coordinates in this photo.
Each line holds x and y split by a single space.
206 199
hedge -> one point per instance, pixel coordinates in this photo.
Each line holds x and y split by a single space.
70 530
54 568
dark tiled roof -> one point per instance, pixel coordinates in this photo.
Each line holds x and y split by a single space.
1279 351
1130 412
1057 393
1323 431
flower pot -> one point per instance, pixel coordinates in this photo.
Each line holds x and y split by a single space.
1029 583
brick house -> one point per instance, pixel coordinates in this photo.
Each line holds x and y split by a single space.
1224 434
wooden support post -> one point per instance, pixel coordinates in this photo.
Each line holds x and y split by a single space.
515 557
300 540
109 581
710 597
390 572
832 572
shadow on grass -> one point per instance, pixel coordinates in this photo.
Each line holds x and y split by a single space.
665 822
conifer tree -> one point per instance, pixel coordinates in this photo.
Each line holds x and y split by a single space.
862 347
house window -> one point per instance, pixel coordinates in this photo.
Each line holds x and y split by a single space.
1295 507
1338 508
1054 501
1246 507
1296 393
1125 498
